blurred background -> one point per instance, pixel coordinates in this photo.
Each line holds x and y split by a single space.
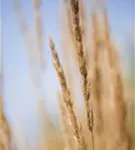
21 105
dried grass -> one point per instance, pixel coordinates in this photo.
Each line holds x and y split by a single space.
81 59
102 83
67 100
5 131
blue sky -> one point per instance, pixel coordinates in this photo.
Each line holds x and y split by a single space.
20 102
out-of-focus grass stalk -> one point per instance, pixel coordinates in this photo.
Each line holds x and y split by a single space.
39 31
28 39
119 109
5 129
31 51
97 83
